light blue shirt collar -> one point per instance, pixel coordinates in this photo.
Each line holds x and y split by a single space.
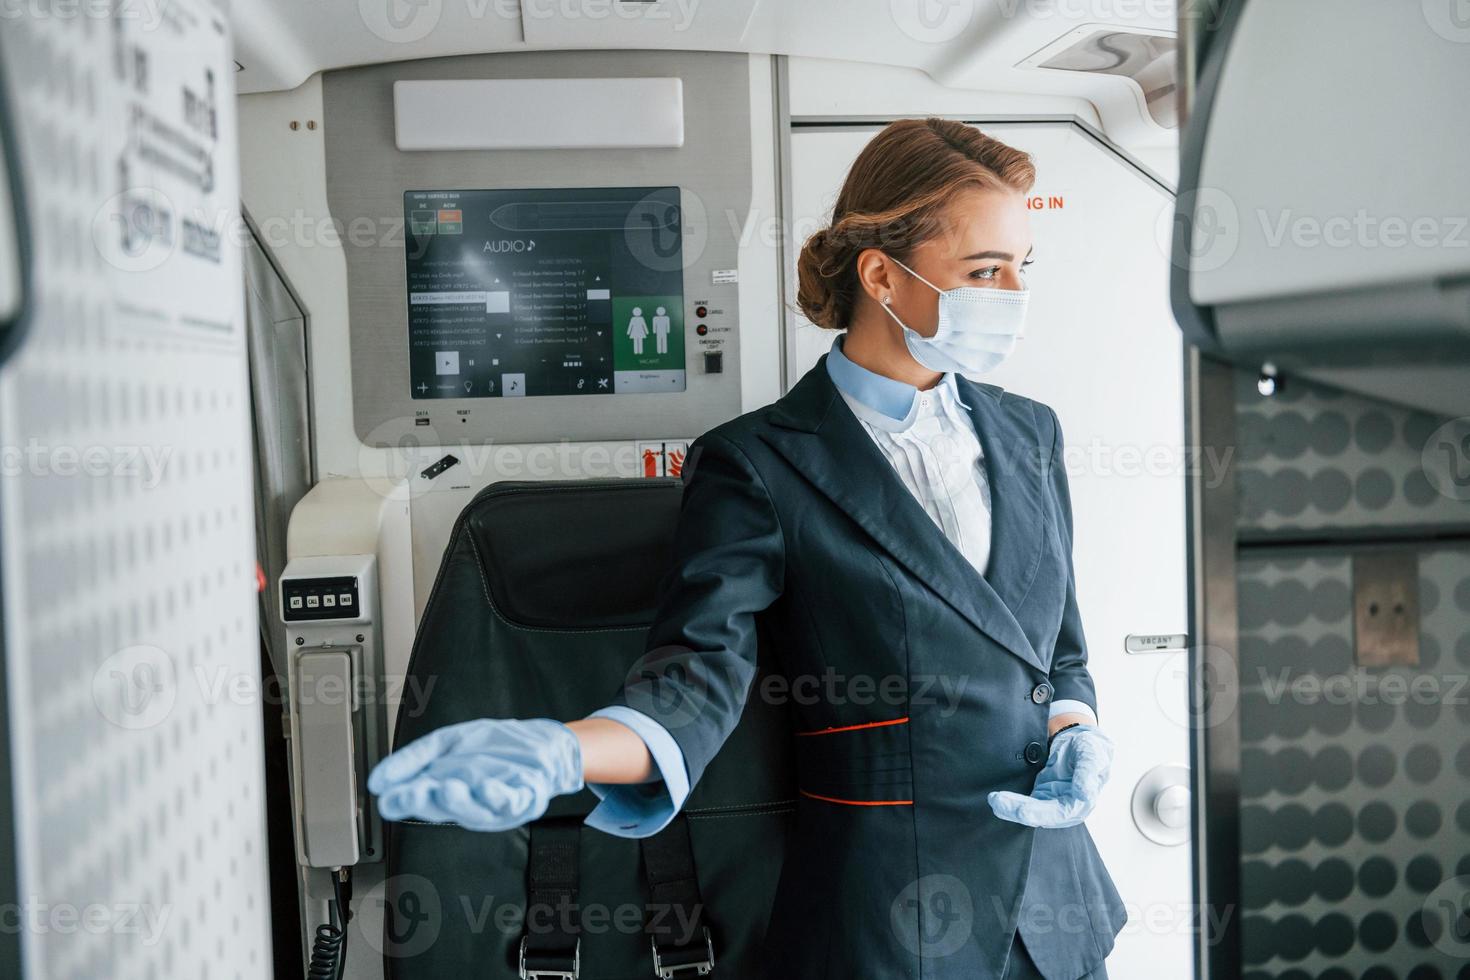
880 401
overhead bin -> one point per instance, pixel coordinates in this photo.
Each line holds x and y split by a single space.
1317 225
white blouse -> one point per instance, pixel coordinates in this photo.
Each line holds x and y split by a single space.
936 454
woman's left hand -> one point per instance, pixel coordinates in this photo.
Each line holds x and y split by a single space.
1067 788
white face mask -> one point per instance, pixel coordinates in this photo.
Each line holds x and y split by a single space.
978 328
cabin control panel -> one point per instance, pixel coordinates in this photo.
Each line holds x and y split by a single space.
337 716
527 294
562 291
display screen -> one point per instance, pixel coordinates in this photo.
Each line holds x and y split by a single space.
571 291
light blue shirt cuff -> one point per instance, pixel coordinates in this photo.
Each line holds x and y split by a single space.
641 809
1066 707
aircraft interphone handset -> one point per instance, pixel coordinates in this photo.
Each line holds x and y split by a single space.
13 322
330 607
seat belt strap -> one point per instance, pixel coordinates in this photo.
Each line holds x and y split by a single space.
551 943
677 925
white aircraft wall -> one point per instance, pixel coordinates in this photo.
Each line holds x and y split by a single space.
132 652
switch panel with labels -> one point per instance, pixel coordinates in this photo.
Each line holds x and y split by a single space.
308 599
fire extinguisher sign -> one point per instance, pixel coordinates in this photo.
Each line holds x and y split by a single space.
662 457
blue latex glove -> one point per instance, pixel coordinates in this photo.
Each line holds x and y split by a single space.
1068 786
488 774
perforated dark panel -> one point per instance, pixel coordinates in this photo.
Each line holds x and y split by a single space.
1355 825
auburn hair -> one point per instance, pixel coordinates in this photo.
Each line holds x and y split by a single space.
893 199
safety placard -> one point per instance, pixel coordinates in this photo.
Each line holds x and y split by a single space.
662 457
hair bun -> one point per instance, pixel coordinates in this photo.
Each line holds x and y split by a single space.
818 271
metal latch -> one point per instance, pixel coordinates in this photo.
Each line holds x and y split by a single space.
700 968
537 974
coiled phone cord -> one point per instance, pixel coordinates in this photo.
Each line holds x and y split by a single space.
329 948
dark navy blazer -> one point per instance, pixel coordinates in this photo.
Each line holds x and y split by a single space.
915 686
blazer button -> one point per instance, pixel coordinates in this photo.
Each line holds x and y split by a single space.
1035 752
1041 693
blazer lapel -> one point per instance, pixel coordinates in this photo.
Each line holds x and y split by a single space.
827 445
1015 465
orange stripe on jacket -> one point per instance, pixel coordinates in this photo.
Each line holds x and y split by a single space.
853 728
833 799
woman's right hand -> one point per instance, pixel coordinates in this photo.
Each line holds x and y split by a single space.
489 774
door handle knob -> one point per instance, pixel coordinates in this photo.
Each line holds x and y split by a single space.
1161 803
1171 807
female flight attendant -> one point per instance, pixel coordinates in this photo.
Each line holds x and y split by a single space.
889 518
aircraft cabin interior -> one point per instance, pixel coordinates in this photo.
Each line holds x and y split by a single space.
612 489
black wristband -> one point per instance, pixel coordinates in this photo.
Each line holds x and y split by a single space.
1053 736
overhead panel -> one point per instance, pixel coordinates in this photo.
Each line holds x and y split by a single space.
1323 220
1148 60
538 113
683 24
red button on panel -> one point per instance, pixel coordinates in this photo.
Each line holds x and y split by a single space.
701 311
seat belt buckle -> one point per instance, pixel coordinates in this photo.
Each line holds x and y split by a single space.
537 973
699 968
